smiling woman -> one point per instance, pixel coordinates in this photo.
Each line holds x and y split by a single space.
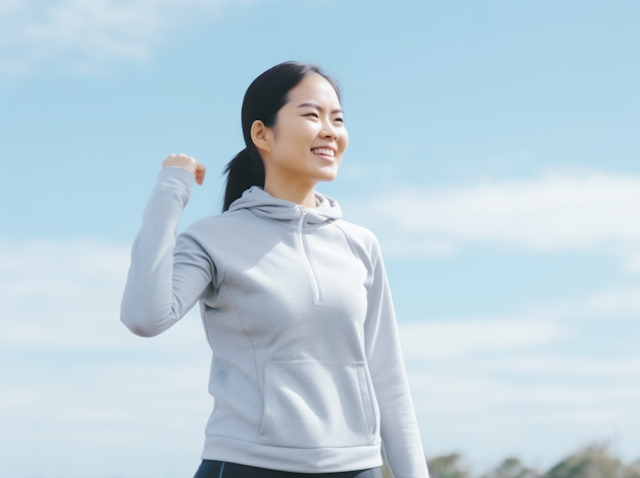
294 132
307 372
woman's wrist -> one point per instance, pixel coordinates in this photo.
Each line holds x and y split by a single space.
186 162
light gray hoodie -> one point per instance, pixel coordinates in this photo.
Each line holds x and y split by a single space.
307 372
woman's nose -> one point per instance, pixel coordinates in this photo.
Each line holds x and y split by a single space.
330 131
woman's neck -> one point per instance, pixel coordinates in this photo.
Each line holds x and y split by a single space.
300 192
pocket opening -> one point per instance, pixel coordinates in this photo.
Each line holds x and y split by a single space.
366 398
316 404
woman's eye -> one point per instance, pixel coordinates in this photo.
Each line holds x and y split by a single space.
312 114
340 119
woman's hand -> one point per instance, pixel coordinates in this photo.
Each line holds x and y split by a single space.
186 162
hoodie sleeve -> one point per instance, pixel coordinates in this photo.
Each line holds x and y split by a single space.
167 274
401 444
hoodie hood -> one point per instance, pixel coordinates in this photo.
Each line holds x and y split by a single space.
264 205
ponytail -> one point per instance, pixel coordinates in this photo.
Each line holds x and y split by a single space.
246 169
265 96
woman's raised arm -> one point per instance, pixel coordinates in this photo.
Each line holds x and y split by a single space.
167 274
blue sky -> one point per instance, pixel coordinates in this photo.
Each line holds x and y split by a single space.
494 151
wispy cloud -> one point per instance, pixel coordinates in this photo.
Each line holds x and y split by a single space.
65 296
84 36
616 302
516 384
436 340
587 212
76 384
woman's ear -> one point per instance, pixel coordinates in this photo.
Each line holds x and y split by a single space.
260 135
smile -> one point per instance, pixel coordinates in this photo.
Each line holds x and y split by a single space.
324 153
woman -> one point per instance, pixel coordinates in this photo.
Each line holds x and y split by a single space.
307 373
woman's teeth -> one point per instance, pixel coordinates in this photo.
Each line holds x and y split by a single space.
325 151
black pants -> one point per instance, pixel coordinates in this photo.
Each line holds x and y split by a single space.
225 469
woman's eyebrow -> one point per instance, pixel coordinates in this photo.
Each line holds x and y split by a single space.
313 105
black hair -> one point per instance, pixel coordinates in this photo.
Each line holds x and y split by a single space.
265 96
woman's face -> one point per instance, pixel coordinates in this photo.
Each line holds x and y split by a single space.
309 137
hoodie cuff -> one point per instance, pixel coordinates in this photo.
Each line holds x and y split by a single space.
176 175
178 180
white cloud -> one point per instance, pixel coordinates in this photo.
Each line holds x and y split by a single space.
633 261
435 340
64 298
81 35
536 385
620 301
558 365
494 387
77 385
586 212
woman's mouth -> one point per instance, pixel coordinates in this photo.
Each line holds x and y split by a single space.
324 153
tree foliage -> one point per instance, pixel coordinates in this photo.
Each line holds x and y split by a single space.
593 461
512 468
447 466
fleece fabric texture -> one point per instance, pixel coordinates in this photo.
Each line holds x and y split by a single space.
307 372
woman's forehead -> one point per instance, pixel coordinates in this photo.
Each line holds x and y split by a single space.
314 87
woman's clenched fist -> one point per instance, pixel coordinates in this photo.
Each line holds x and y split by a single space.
186 162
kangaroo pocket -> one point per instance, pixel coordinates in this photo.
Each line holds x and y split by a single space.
313 404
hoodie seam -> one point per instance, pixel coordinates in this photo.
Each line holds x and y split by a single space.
346 237
370 283
255 357
224 264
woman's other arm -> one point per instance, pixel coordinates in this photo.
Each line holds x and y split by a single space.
167 274
401 442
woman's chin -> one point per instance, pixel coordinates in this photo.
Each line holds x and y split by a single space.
327 174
